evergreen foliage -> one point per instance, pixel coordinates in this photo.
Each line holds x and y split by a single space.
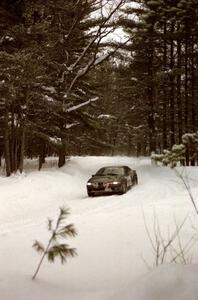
163 52
57 79
55 248
171 157
47 51
178 153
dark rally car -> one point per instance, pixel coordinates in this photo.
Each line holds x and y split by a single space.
112 180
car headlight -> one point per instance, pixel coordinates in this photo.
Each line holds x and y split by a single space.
89 183
115 182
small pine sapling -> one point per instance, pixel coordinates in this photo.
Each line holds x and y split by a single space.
54 247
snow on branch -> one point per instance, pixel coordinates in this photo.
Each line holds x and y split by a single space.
68 126
101 58
101 32
75 107
93 62
103 116
55 141
84 70
97 34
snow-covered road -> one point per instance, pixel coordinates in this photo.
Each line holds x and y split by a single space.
112 243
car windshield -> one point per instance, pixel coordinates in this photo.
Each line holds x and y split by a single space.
111 171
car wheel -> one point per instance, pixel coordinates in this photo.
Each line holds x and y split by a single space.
123 188
90 194
134 180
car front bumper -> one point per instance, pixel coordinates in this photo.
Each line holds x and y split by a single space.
104 188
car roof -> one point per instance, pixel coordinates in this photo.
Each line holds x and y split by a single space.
117 166
114 166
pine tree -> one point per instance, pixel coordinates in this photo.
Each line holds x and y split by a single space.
163 60
55 247
54 46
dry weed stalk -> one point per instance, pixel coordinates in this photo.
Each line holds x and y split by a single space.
168 249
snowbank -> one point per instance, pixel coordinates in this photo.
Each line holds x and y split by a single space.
113 247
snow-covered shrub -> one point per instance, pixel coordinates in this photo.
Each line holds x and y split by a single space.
186 152
171 157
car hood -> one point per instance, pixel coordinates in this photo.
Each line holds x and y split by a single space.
106 178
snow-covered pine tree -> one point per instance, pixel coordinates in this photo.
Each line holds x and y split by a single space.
178 152
59 43
163 44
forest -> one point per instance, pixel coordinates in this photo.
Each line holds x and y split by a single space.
98 77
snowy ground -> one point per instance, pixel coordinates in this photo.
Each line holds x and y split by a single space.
115 256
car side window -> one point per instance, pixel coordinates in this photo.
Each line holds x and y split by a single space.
129 171
126 170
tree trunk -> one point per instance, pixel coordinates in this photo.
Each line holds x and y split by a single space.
21 157
151 95
172 90
179 102
186 84
42 155
193 100
7 143
164 113
61 158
